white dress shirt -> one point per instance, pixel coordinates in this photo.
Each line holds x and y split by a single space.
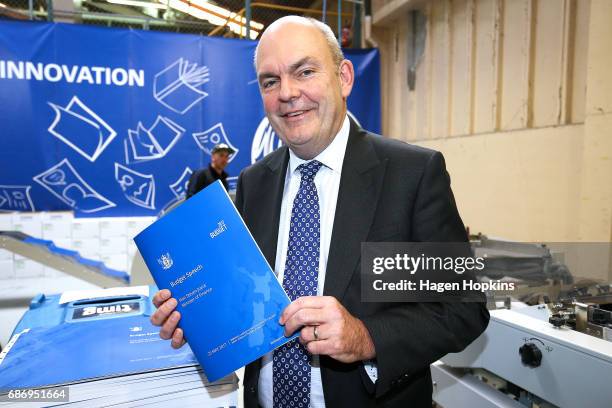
327 182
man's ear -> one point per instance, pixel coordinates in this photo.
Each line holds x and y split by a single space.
347 77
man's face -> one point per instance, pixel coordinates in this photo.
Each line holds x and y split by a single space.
219 159
304 93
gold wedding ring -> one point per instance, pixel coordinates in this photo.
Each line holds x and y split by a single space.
314 332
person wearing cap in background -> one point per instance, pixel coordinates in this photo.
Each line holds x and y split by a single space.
219 159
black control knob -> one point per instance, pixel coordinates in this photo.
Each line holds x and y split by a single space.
556 321
530 355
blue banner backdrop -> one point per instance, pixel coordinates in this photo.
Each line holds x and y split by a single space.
112 122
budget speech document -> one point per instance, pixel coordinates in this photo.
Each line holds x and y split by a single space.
228 296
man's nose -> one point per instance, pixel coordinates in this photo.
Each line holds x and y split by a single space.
289 90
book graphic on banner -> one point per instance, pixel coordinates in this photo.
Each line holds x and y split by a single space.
207 139
138 188
229 299
16 198
179 190
154 143
81 128
65 183
264 141
177 86
179 187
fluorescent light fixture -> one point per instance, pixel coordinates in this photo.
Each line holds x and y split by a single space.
215 15
138 3
225 13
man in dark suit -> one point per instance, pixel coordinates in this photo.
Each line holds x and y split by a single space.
219 158
309 206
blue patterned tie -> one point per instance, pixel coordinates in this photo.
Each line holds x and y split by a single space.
291 371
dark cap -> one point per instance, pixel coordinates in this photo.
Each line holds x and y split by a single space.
222 147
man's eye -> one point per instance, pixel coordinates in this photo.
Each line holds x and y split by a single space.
268 84
307 72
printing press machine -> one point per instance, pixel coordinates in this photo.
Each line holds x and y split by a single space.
548 344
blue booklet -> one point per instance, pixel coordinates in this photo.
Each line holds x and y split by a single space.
228 296
83 350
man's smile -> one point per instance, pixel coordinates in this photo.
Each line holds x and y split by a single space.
295 115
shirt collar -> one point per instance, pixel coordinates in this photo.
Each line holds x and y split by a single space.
333 155
214 173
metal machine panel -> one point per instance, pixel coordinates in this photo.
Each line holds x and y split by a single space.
575 368
453 388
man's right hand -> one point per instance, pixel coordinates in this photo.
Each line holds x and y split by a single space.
168 318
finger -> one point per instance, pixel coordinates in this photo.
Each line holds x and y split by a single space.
324 332
307 334
311 302
322 347
304 317
167 330
161 296
161 314
178 339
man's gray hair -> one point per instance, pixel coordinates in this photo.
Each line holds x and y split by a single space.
328 34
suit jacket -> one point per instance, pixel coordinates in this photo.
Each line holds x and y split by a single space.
202 178
389 191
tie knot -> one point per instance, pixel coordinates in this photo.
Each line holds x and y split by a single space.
309 170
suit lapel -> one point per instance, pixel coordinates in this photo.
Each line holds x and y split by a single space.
270 186
360 186
270 197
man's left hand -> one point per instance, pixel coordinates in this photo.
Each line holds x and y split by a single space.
339 334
